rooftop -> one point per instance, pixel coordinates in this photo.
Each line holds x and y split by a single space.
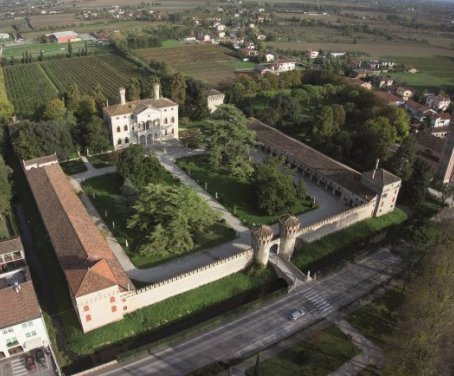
138 106
387 96
10 245
430 141
313 159
210 92
84 255
60 34
382 177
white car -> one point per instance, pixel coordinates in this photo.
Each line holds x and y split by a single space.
296 314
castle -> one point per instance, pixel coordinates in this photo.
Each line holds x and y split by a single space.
143 121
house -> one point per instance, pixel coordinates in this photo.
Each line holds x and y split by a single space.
261 37
360 83
417 110
22 326
383 82
262 70
441 132
248 52
63 37
145 121
390 98
438 102
284 65
312 54
362 73
269 57
214 99
404 92
439 120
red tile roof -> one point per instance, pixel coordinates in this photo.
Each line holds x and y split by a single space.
133 106
86 258
387 96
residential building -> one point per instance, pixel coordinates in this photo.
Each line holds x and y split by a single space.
214 99
439 120
312 54
381 82
438 102
143 121
269 57
418 111
360 83
22 326
284 65
404 92
63 37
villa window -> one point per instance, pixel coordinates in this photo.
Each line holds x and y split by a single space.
86 308
114 308
165 120
125 128
127 140
173 131
119 141
172 120
112 299
88 318
165 134
125 308
118 129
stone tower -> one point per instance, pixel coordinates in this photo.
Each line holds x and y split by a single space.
261 238
289 228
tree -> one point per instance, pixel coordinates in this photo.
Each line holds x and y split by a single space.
5 188
73 96
139 168
416 189
257 365
338 115
404 159
178 88
133 90
324 124
274 186
86 109
169 217
99 97
399 120
54 110
96 137
229 141
70 49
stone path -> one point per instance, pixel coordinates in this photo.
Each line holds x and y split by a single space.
371 353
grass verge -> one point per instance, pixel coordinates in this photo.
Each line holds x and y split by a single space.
235 194
73 167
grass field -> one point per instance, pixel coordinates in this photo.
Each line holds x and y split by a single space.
48 49
234 193
107 199
31 85
320 353
211 63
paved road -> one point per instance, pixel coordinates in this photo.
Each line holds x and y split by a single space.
256 330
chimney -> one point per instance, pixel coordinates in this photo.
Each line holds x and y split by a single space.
122 95
156 89
376 168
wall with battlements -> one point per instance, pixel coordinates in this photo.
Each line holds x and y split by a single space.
337 222
184 282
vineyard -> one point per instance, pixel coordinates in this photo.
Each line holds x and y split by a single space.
28 87
31 85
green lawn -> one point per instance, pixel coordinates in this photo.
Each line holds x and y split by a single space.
73 167
345 240
170 43
47 48
377 319
234 193
4 230
103 160
108 200
319 354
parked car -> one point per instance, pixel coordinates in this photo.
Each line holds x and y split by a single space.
40 357
29 362
296 314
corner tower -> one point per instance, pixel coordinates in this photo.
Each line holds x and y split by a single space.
261 239
289 227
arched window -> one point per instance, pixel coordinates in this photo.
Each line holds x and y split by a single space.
165 120
173 131
125 128
156 123
172 120
119 141
118 129
165 134
127 140
141 126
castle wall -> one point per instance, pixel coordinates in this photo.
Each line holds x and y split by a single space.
184 282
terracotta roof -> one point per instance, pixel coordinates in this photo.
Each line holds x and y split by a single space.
41 160
210 92
444 116
130 107
387 96
313 159
430 141
77 242
417 106
21 305
382 177
11 245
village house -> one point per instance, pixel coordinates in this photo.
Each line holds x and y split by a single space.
144 121
381 82
404 92
284 65
439 120
22 326
312 54
360 83
438 102
269 57
418 111
214 99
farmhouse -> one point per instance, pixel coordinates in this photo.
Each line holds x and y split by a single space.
378 186
22 325
144 122
63 37
94 276
214 99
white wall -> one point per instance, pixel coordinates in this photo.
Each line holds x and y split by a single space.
188 281
30 335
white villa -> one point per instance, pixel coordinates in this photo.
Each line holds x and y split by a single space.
143 121
214 99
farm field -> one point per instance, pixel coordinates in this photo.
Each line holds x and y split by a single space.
48 49
210 63
31 85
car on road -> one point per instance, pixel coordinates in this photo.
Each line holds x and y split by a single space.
296 314
40 357
30 362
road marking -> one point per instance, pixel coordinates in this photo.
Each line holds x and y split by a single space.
318 301
18 367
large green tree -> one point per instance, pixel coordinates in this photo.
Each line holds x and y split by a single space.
5 188
229 141
73 96
133 90
403 160
95 135
178 88
324 127
54 110
415 190
169 217
274 186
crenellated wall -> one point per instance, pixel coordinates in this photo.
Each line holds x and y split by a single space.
184 282
337 222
